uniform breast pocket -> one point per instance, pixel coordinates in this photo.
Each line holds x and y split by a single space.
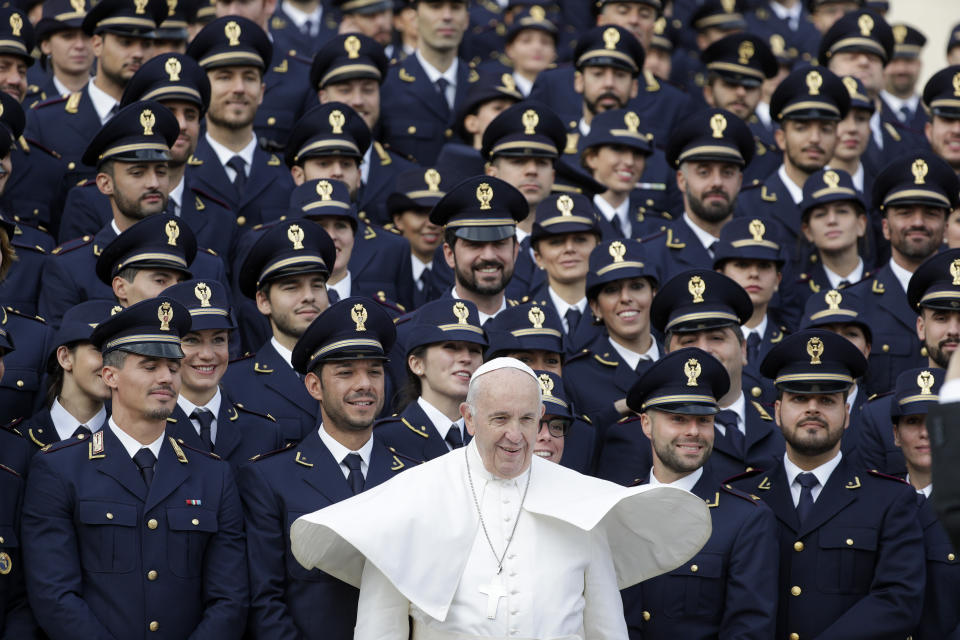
294 569
410 134
107 534
190 531
846 559
21 379
696 588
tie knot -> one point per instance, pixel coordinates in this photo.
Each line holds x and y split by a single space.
237 163
352 460
727 418
442 84
203 416
807 480
454 439
81 430
145 458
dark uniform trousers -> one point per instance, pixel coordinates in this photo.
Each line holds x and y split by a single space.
108 558
626 452
269 385
727 590
853 570
287 600
241 433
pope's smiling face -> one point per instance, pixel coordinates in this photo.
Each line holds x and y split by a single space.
504 418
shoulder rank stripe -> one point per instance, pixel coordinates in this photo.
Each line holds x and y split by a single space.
422 431
299 459
181 456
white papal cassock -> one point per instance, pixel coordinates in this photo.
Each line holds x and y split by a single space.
414 546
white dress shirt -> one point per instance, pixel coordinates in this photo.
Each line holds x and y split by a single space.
66 424
796 193
441 423
902 275
687 482
62 89
418 269
524 86
365 165
822 472
103 103
562 306
762 111
343 287
706 239
213 407
876 128
739 407
482 316
791 14
912 103
926 491
298 18
224 155
835 278
340 452
285 353
176 196
130 444
434 74
632 358
760 329
621 213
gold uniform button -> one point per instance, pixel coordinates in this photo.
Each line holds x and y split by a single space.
694 568
885 348
950 556
448 133
154 626
849 542
109 516
241 220
756 392
795 591
71 166
19 384
195 522
1 539
794 636
798 546
151 523
646 616
271 121
411 129
151 575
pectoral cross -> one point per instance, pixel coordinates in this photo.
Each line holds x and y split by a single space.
494 591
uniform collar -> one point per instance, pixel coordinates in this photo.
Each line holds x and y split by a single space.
902 275
284 353
739 407
224 154
418 267
176 194
213 406
340 452
632 358
103 102
344 287
298 17
524 86
822 472
835 278
687 482
796 193
441 422
610 212
434 74
66 424
760 329
131 445
562 306
895 103
365 165
705 238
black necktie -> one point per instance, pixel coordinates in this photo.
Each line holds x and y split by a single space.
113 111
355 477
82 429
624 225
441 84
240 180
145 461
454 439
205 418
713 248
843 284
307 28
905 113
807 481
753 348
572 316
729 420
921 498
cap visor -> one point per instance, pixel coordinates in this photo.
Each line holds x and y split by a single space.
486 234
813 388
688 409
154 350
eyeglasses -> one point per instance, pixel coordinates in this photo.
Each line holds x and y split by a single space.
558 427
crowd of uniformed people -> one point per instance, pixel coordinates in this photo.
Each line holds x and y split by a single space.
252 251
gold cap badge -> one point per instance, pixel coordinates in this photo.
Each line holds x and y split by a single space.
899 33
536 316
833 300
925 381
295 235
232 31
565 205
866 25
617 250
757 229
718 123
697 287
359 316
632 121
173 68
16 23
530 120
851 84
831 179
352 46
691 369
814 82
147 121
172 229
484 195
919 169
432 178
956 85
815 350
203 293
546 384
610 39
165 315
955 272
745 51
324 190
461 311
336 120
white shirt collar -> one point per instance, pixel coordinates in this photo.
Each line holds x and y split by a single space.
61 88
418 268
705 238
224 154
835 278
365 165
796 193
340 452
632 358
608 211
483 316
298 17
130 443
285 353
524 86
521 235
926 491
66 424
852 396
442 423
912 103
760 329
434 74
822 472
858 177
739 407
343 287
876 127
687 482
762 111
791 14
102 101
583 127
113 225
176 194
902 275
213 407
562 306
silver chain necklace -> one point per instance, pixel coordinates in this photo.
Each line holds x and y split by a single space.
483 525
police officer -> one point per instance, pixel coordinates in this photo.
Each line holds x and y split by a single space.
206 417
131 153
913 192
853 140
285 273
711 21
171 35
350 69
66 49
736 571
229 162
851 550
529 332
788 21
370 18
341 356
807 105
329 142
444 347
301 26
174 550
709 151
178 83
944 114
899 97
75 391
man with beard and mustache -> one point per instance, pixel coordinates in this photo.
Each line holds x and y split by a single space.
932 293
735 573
120 31
851 549
341 358
808 104
709 152
131 531
229 162
943 130
915 194
131 160
900 99
184 89
285 274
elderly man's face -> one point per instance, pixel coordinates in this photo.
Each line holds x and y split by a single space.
504 420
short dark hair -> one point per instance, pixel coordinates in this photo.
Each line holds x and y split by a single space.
846 394
115 359
669 333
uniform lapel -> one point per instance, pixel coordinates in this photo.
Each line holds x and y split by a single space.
211 173
260 177
895 300
228 432
362 252
775 492
383 465
785 211
434 444
424 90
188 209
116 463
325 474
284 380
171 472
43 431
840 490
180 427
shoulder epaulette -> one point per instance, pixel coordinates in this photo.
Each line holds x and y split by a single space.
586 418
763 412
877 474
265 416
245 356
261 456
653 236
385 158
603 361
34 143
209 251
653 85
29 247
877 396
583 353
742 476
892 130
405 76
671 243
11 427
749 497
405 318
4 467
293 55
184 445
73 102
405 457
194 161
25 315
631 418
206 196
277 23
381 297
71 245
63 444
51 101
754 184
878 288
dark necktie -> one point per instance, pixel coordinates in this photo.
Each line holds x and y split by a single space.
355 477
441 84
307 28
753 348
81 430
454 439
713 248
172 208
921 498
205 418
624 226
843 284
905 113
145 461
572 316
240 180
733 435
807 481
113 111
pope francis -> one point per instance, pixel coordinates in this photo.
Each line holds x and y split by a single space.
489 541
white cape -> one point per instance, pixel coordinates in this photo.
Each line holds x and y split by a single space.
418 527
